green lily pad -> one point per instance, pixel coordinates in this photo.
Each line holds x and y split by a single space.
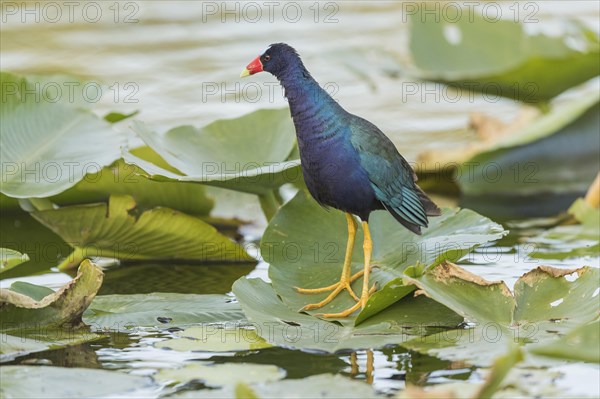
242 390
125 179
317 386
48 147
18 230
62 382
519 164
546 302
36 292
281 326
67 89
162 310
570 241
527 168
581 343
214 338
217 375
490 134
305 247
63 307
500 369
10 258
519 383
115 117
20 342
144 277
536 70
450 390
114 231
584 213
496 381
296 363
249 154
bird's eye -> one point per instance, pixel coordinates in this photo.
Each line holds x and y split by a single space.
267 58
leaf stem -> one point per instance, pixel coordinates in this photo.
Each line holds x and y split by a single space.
544 107
269 204
74 259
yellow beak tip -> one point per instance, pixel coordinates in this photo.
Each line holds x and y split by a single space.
245 73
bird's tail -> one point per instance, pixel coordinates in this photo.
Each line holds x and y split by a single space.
431 209
414 225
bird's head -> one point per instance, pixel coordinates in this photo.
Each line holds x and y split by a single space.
276 60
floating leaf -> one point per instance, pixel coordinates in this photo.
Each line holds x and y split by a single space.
36 292
520 165
572 240
519 383
296 363
18 230
62 382
450 390
114 231
500 369
51 88
592 197
581 343
281 326
495 381
250 153
491 134
215 338
114 117
539 68
242 390
124 179
568 241
20 342
546 301
584 213
526 168
217 375
571 122
48 147
10 258
305 246
317 386
162 310
64 307
143 277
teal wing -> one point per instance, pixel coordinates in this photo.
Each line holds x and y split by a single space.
391 177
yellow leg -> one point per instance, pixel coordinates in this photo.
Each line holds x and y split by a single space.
345 281
368 249
353 365
369 373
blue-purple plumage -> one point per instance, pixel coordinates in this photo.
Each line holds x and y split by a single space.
347 162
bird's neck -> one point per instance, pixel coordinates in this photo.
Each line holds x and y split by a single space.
310 105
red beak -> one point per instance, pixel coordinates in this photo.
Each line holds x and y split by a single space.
254 67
